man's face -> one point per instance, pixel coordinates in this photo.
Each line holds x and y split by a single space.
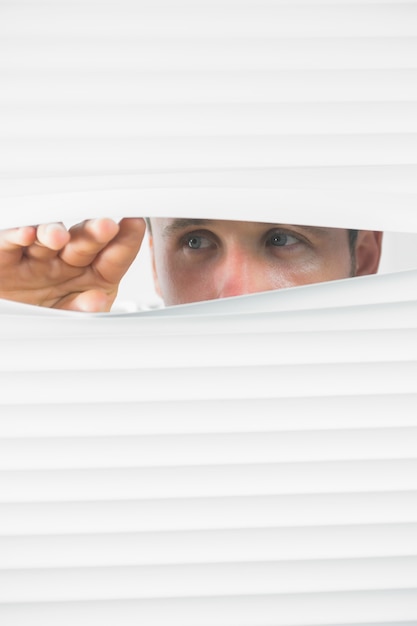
197 260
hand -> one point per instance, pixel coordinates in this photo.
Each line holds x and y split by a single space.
77 269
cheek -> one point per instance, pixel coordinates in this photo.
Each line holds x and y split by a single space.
163 274
159 268
312 268
334 265
178 285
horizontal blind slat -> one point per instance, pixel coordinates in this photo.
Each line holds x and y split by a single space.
208 546
116 87
220 382
208 449
176 581
215 416
253 19
311 609
205 54
196 481
37 514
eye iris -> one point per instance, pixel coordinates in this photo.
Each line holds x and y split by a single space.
194 242
279 239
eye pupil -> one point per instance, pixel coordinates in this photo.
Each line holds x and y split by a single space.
279 239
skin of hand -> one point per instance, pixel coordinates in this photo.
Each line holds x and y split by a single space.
77 269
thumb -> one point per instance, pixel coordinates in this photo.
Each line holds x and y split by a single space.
92 301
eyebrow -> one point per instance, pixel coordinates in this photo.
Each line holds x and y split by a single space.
181 223
313 229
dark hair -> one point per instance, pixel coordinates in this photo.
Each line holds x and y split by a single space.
353 236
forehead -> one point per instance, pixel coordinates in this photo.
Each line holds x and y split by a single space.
168 227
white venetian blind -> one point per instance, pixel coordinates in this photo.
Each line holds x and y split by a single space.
246 462
178 107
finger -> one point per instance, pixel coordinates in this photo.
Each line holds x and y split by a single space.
114 261
50 238
13 244
16 238
87 240
53 236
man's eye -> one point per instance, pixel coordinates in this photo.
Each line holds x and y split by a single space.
197 242
281 239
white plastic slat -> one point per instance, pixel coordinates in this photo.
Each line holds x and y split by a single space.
179 581
252 19
37 514
116 87
214 416
380 607
249 349
60 155
194 53
208 546
208 449
335 477
220 382
228 120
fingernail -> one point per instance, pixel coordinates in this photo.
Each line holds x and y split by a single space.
50 228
